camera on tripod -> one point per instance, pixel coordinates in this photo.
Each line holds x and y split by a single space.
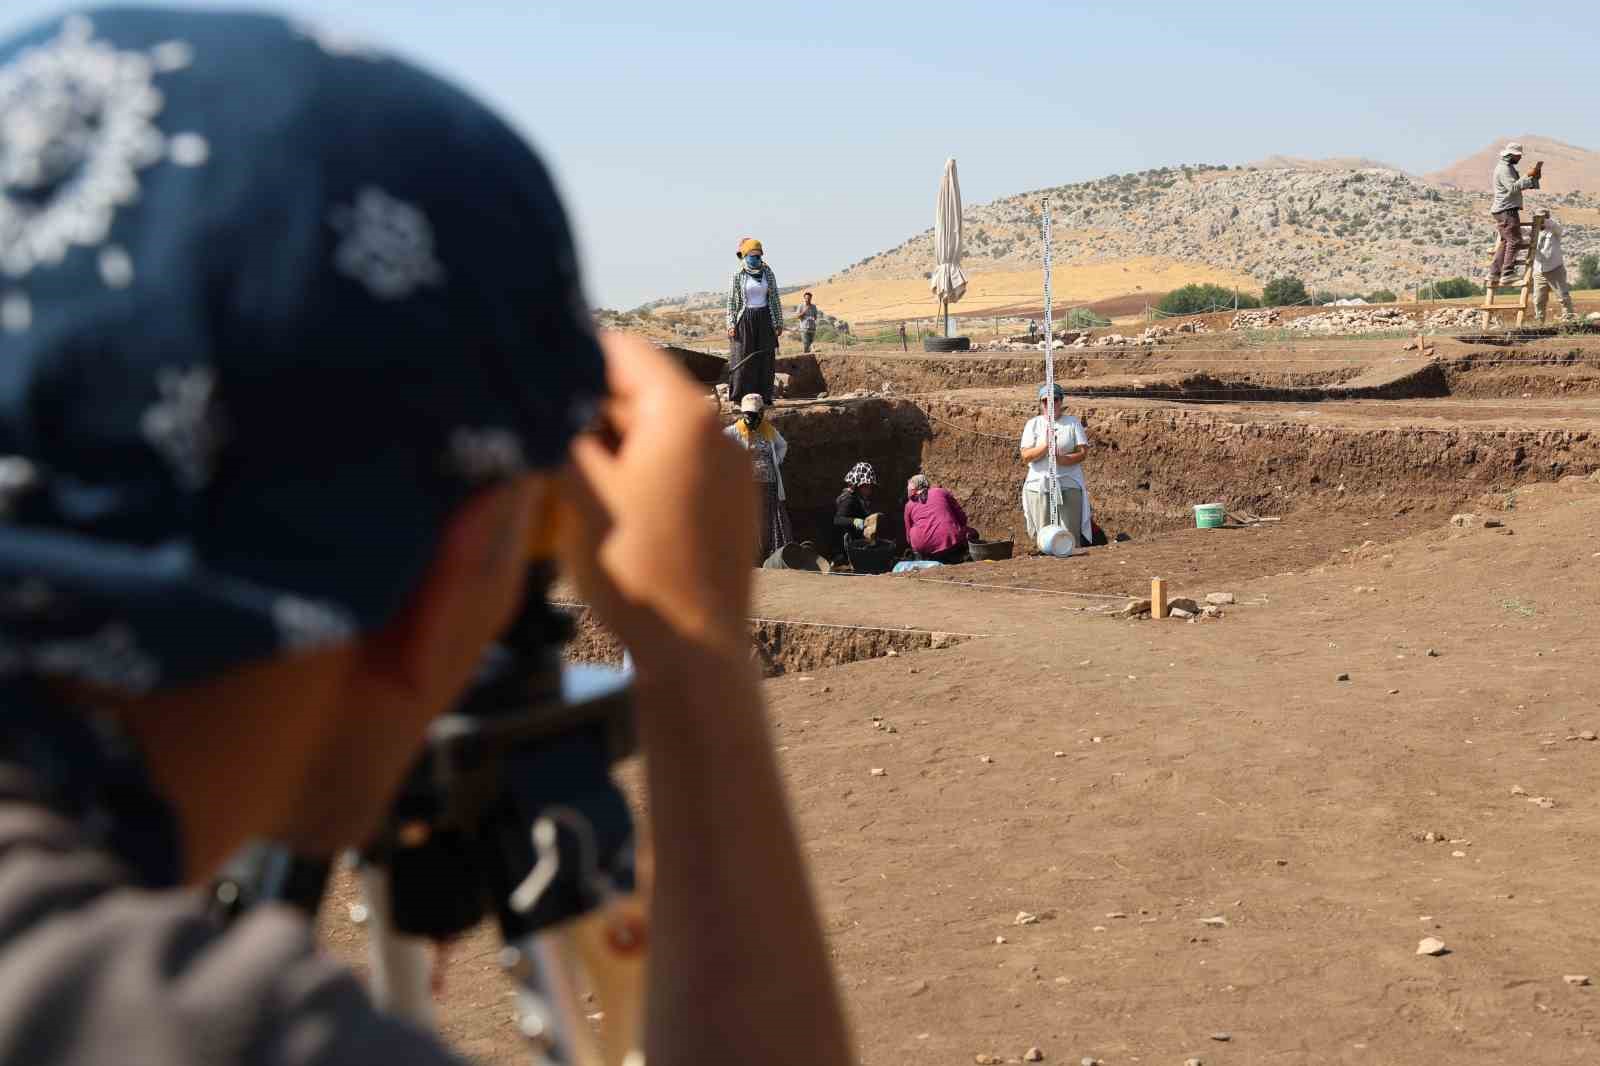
510 811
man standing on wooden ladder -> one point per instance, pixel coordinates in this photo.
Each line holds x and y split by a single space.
1507 212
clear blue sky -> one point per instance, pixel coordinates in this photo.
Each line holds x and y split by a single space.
676 128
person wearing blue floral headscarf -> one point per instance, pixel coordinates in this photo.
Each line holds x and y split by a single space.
296 381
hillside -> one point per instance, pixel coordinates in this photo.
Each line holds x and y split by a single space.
1349 230
1340 228
1567 168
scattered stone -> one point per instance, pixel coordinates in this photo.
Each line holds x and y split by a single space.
1024 918
1134 609
1587 734
999 940
1464 520
1215 922
1179 612
1061 755
1431 945
1283 862
1115 914
916 988
985 759
1194 1062
878 771
1211 611
1544 802
987 1060
1493 523
1458 854
891 654
1342 677
941 640
1183 603
1576 980
1033 1054
1088 1061
1433 653
1518 790
1220 599
1222 1038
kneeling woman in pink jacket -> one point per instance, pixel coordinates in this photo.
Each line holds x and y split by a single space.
936 526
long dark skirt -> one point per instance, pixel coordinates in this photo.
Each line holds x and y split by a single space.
752 357
775 528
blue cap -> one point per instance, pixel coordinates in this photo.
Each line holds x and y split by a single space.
1045 390
273 305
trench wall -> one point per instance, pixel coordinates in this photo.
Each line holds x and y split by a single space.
1150 466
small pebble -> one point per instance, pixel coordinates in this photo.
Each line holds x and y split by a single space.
1087 1061
999 940
1194 1062
1061 755
1024 918
1431 945
878 771
1033 1054
985 759
359 913
1433 653
1215 922
987 1060
1576 980
1222 1038
1342 677
1458 854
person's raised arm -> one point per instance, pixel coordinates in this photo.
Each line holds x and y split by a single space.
738 968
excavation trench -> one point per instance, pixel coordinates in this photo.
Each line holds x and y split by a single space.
780 647
1151 464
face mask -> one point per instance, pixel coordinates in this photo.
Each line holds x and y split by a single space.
753 262
752 419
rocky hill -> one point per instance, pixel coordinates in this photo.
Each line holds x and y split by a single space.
1567 168
1349 230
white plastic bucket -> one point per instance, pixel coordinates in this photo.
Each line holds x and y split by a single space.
1055 540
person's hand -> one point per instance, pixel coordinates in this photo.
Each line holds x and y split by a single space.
663 569
1538 168
859 523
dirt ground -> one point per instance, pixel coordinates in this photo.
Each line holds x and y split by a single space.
1221 827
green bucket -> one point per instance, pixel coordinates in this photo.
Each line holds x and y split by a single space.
1210 515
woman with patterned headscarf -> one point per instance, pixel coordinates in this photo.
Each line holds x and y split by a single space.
851 510
755 322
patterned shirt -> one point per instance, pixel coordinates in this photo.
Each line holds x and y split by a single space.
736 298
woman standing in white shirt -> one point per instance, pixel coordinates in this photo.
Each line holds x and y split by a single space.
755 322
1072 447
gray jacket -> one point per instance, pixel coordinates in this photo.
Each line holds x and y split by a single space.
1508 186
94 969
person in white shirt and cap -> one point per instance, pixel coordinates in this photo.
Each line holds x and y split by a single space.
1506 210
1072 447
767 449
1550 270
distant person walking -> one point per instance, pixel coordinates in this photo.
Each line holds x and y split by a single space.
1033 329
903 346
755 322
1072 447
767 449
1550 270
808 322
1506 210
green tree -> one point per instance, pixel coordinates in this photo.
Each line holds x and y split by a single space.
1450 289
1083 318
1589 272
1194 299
1281 292
1380 296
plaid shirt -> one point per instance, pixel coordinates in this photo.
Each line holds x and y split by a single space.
774 301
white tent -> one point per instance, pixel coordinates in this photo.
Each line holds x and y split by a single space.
949 284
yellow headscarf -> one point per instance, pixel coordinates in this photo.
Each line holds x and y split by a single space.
764 431
749 246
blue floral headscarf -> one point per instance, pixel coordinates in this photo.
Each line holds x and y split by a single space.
273 304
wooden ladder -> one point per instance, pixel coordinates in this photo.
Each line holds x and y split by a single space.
1533 227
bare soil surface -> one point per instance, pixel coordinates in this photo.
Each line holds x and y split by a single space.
1115 838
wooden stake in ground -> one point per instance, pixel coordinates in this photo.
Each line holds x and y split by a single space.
1158 597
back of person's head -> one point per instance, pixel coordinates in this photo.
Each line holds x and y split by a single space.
275 306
